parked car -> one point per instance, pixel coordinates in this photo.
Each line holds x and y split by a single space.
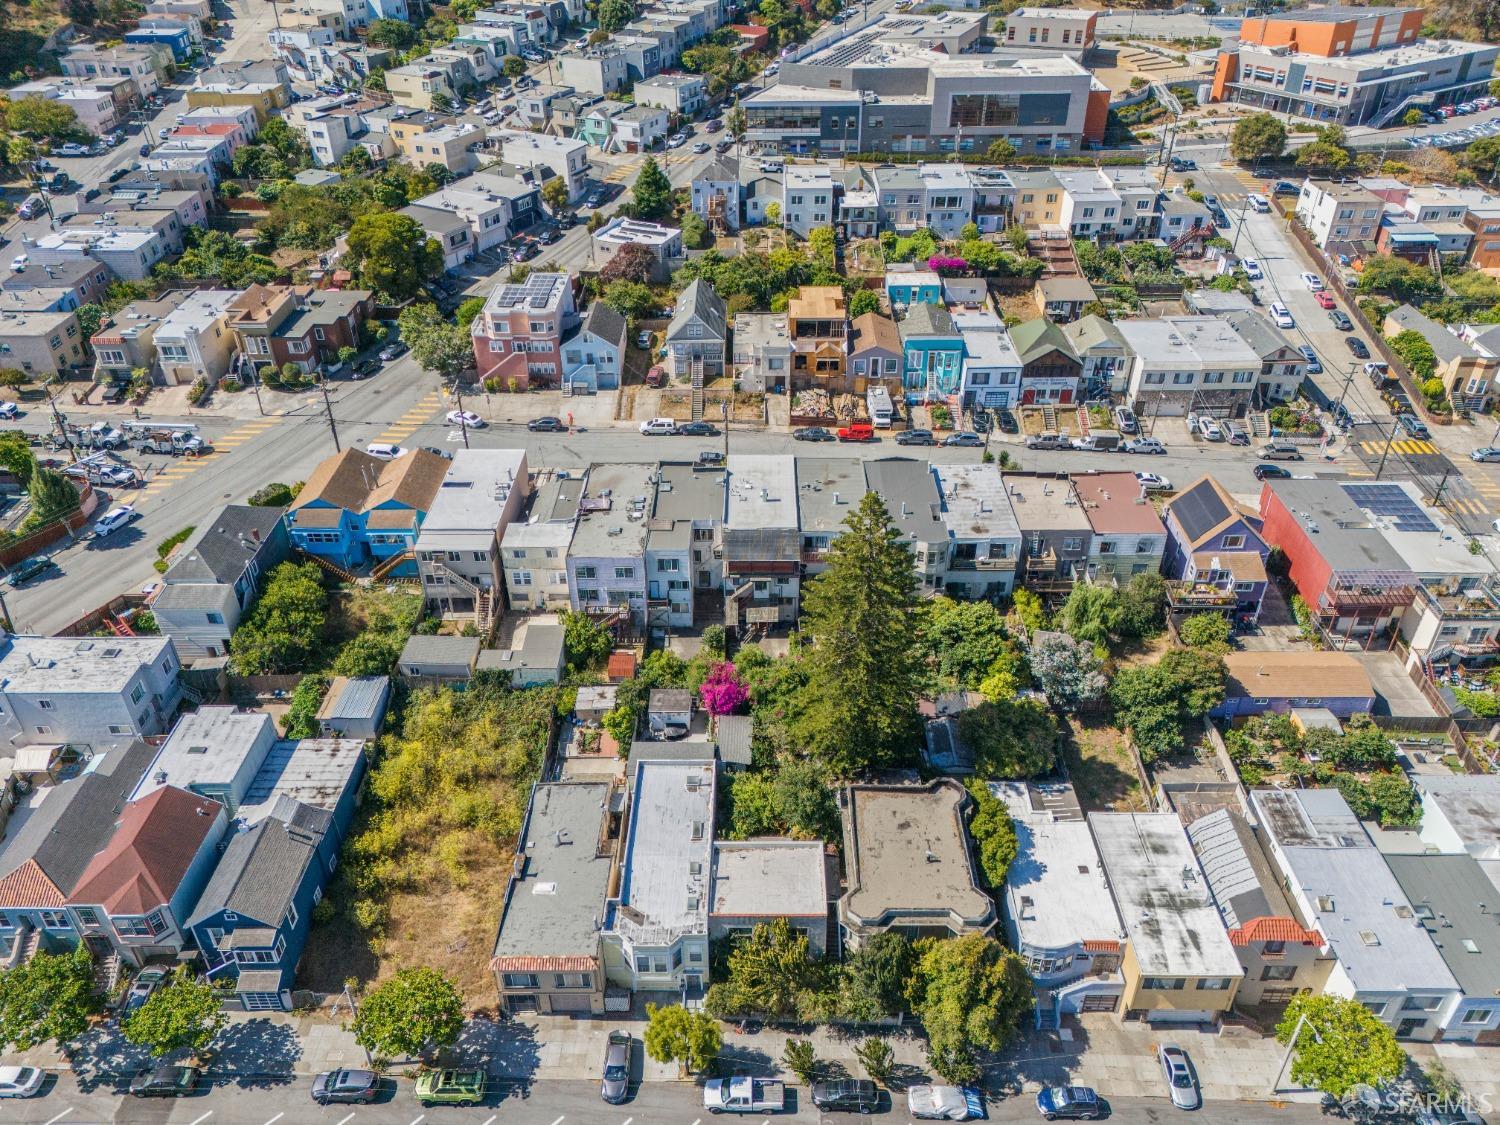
1485 453
1413 425
1145 445
1341 320
1313 282
1279 451
723 145
1068 1103
1006 421
964 438
1286 187
711 459
1314 367
1282 316
1154 482
164 1080
915 437
1181 164
1252 271
1210 429
451 1087
1182 1082
1271 472
643 339
547 425
465 418
392 350
1324 298
945 1103
615 1085
114 519
658 427
856 431
1048 441
9 410
813 433
357 1086
147 981
385 451
1125 420
698 429
846 1094
21 1081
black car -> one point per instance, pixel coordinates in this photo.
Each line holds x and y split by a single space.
567 220
710 459
165 1081
365 368
118 174
1007 421
548 425
1357 347
915 437
848 1094
698 429
359 1086
549 236
1271 472
813 433
23 572
525 251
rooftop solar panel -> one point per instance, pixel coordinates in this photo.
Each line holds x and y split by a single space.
1393 502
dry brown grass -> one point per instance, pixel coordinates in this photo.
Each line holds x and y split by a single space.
1100 767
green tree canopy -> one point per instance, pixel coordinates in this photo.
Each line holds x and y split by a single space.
435 343
1011 738
994 834
1341 1045
1091 614
1258 137
416 1010
962 640
864 301
392 254
673 1033
614 14
1153 701
395 34
873 978
795 800
16 456
42 117
184 1014
49 997
970 993
771 974
1322 159
284 630
514 66
1209 631
52 495
586 642
1416 352
863 672
629 298
1399 279
653 191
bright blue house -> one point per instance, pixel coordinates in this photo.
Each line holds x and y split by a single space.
1215 552
358 511
179 40
934 350
909 285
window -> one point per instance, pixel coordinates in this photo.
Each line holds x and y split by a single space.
46 704
1278 972
1163 984
54 920
1072 543
215 618
1477 1015
520 980
1421 1003
584 572
87 916
137 693
624 572
1232 542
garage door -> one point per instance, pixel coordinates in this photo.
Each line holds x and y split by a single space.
1106 1002
261 1001
1167 1016
570 1003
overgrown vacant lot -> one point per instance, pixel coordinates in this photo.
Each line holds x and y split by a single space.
1100 768
425 866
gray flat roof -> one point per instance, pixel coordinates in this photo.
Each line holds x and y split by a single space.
556 905
356 697
762 491
75 665
687 493
612 521
664 879
208 746
975 503
1455 899
911 496
828 489
770 878
1344 535
435 649
1471 805
1163 898
311 771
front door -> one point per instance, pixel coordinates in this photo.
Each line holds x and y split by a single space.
1409 1027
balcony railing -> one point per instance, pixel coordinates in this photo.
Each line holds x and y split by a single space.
1471 605
1368 597
1199 595
982 564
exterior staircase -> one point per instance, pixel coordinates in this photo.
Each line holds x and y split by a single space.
391 564
1083 421
1187 236
1049 418
484 615
567 387
107 973
1260 424
697 377
1046 1010
119 626
331 567
32 943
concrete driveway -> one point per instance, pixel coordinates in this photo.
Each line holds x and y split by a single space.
1396 693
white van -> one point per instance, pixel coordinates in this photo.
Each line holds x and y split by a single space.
1282 316
114 519
1260 204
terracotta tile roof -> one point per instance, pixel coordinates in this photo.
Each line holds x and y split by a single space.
149 853
27 885
542 964
1104 946
1258 930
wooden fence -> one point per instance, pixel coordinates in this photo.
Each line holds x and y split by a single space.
88 502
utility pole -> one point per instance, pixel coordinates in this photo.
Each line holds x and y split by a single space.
1244 206
1389 441
62 429
463 425
328 410
1349 378
5 616
1437 496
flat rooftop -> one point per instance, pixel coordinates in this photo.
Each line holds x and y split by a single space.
1046 503
1163 898
1470 803
770 878
1348 892
762 491
1343 533
975 503
314 771
664 874
472 498
1454 898
612 513
687 494
555 905
1117 505
209 746
907 854
1055 886
1206 343
75 665
911 495
828 489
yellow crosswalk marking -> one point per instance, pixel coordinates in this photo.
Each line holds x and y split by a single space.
1407 446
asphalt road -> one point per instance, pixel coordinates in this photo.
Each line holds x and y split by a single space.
545 1103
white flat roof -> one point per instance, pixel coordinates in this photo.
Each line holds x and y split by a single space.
770 878
474 493
762 491
75 665
665 871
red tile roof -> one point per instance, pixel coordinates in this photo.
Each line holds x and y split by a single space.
1258 930
28 885
542 964
152 847
1104 946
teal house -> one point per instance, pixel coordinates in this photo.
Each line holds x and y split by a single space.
910 285
934 351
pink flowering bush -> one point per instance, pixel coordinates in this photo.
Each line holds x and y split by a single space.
723 693
947 265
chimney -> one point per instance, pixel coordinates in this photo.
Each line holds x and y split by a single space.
255 534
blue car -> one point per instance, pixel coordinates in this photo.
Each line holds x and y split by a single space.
1069 1103
1413 425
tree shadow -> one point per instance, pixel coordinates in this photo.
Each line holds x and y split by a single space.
102 1057
737 1059
1037 1058
905 1075
507 1049
256 1053
829 1070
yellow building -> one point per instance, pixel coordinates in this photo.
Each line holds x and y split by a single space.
265 98
415 84
425 140
818 323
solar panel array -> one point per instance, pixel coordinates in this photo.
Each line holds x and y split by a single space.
535 292
1392 502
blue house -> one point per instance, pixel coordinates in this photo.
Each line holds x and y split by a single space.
908 285
251 923
1215 553
934 350
179 40
357 510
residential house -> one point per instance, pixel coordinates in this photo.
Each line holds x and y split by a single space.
683 95
686 513
146 65
1282 366
428 83
1128 536
536 656
495 207
1105 205
599 126
762 356
1215 559
62 287
716 194
697 332
818 323
607 557
1035 199
86 692
546 157
216 575
1059 914
761 542
426 139
1281 957
907 285
535 551
266 98
984 537
892 831
828 490
1103 356
1258 682
808 198
1355 583
1468 375
1185 224
859 212
1179 966
450 230
1055 530
129 251
1061 299
518 336
126 340
1461 816
354 707
1050 369
439 659
991 364
911 494
1342 885
1338 213
1189 363
547 955
240 743
194 341
1450 895
356 510
458 546
97 103
594 352
766 879
934 353
665 243
42 344
600 70
654 935
640 128
297 324
876 357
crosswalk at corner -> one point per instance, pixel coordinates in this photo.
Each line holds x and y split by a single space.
184 467
419 415
625 172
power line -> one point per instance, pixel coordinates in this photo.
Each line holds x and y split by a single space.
328 412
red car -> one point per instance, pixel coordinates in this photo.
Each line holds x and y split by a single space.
1324 300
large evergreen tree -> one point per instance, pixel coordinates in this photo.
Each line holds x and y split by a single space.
864 672
653 191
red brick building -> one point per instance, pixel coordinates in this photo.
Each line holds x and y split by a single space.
281 324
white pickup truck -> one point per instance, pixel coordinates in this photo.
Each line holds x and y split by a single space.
743 1095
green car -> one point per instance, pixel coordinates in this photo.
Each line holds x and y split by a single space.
25 571
451 1087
